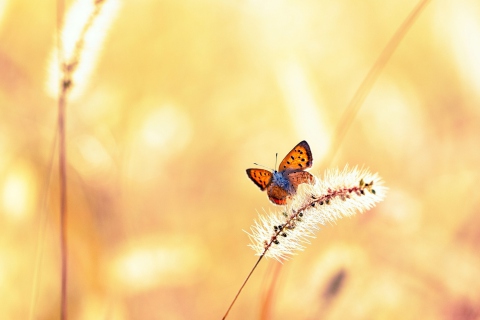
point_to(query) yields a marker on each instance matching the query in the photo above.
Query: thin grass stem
(62, 169)
(366, 86)
(41, 230)
(63, 202)
(241, 287)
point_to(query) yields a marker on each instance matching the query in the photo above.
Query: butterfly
(282, 184)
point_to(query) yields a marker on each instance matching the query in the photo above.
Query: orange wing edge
(256, 181)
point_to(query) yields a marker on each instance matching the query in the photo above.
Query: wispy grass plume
(80, 40)
(340, 193)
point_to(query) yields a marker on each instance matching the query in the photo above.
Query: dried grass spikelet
(81, 38)
(341, 193)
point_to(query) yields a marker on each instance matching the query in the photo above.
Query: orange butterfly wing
(298, 177)
(299, 158)
(277, 195)
(260, 177)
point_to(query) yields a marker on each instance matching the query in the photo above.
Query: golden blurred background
(180, 98)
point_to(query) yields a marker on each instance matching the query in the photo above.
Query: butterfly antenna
(260, 165)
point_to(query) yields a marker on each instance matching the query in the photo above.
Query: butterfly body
(280, 179)
(282, 184)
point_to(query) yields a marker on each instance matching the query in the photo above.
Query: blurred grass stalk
(366, 86)
(79, 39)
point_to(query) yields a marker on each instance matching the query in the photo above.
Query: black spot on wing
(255, 175)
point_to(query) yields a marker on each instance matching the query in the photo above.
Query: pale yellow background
(182, 98)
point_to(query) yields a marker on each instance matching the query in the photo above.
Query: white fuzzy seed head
(341, 193)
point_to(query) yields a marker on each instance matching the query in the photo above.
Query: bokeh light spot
(166, 127)
(17, 193)
(154, 262)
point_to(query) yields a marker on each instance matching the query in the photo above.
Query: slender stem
(372, 76)
(42, 227)
(269, 297)
(243, 285)
(62, 163)
(63, 204)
